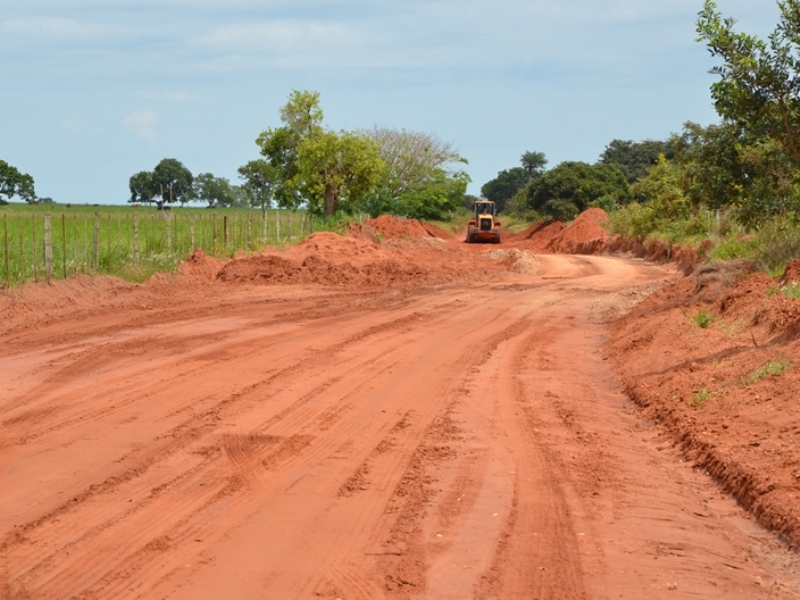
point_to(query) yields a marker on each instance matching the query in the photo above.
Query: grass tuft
(771, 368)
(703, 318)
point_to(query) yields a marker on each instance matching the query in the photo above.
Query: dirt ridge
(711, 386)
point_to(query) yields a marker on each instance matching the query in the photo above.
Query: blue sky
(94, 91)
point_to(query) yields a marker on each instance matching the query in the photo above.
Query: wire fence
(40, 246)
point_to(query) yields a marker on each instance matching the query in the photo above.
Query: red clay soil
(714, 357)
(398, 414)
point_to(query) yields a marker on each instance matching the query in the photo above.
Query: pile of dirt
(392, 228)
(362, 232)
(199, 267)
(715, 357)
(40, 301)
(538, 236)
(313, 269)
(585, 235)
(330, 259)
(335, 247)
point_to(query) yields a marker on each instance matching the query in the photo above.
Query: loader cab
(484, 207)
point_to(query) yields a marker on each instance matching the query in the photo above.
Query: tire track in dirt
(190, 432)
(398, 445)
(351, 533)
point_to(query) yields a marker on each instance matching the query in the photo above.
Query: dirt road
(451, 441)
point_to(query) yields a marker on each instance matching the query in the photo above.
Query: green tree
(468, 201)
(663, 191)
(442, 194)
(503, 187)
(421, 174)
(173, 182)
(759, 81)
(217, 191)
(772, 188)
(142, 187)
(533, 163)
(302, 119)
(14, 183)
(337, 168)
(635, 159)
(572, 187)
(260, 182)
(712, 171)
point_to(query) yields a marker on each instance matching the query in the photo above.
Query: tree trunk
(330, 201)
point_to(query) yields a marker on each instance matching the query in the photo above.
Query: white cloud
(143, 124)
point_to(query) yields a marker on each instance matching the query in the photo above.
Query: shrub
(777, 242)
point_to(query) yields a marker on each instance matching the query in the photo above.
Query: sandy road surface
(290, 442)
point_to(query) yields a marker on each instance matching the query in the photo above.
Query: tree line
(747, 165)
(303, 164)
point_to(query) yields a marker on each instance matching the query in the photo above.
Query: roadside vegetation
(731, 189)
(46, 242)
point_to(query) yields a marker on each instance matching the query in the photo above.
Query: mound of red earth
(715, 357)
(356, 260)
(585, 235)
(392, 228)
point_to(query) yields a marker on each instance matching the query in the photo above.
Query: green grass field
(129, 241)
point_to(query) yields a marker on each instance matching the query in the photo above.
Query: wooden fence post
(169, 234)
(191, 233)
(108, 245)
(249, 231)
(64, 244)
(21, 249)
(225, 231)
(48, 248)
(96, 243)
(135, 239)
(35, 266)
(5, 244)
(213, 230)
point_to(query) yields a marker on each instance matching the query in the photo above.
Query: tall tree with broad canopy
(323, 168)
(169, 182)
(15, 183)
(337, 168)
(142, 187)
(173, 181)
(571, 187)
(422, 176)
(635, 159)
(280, 146)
